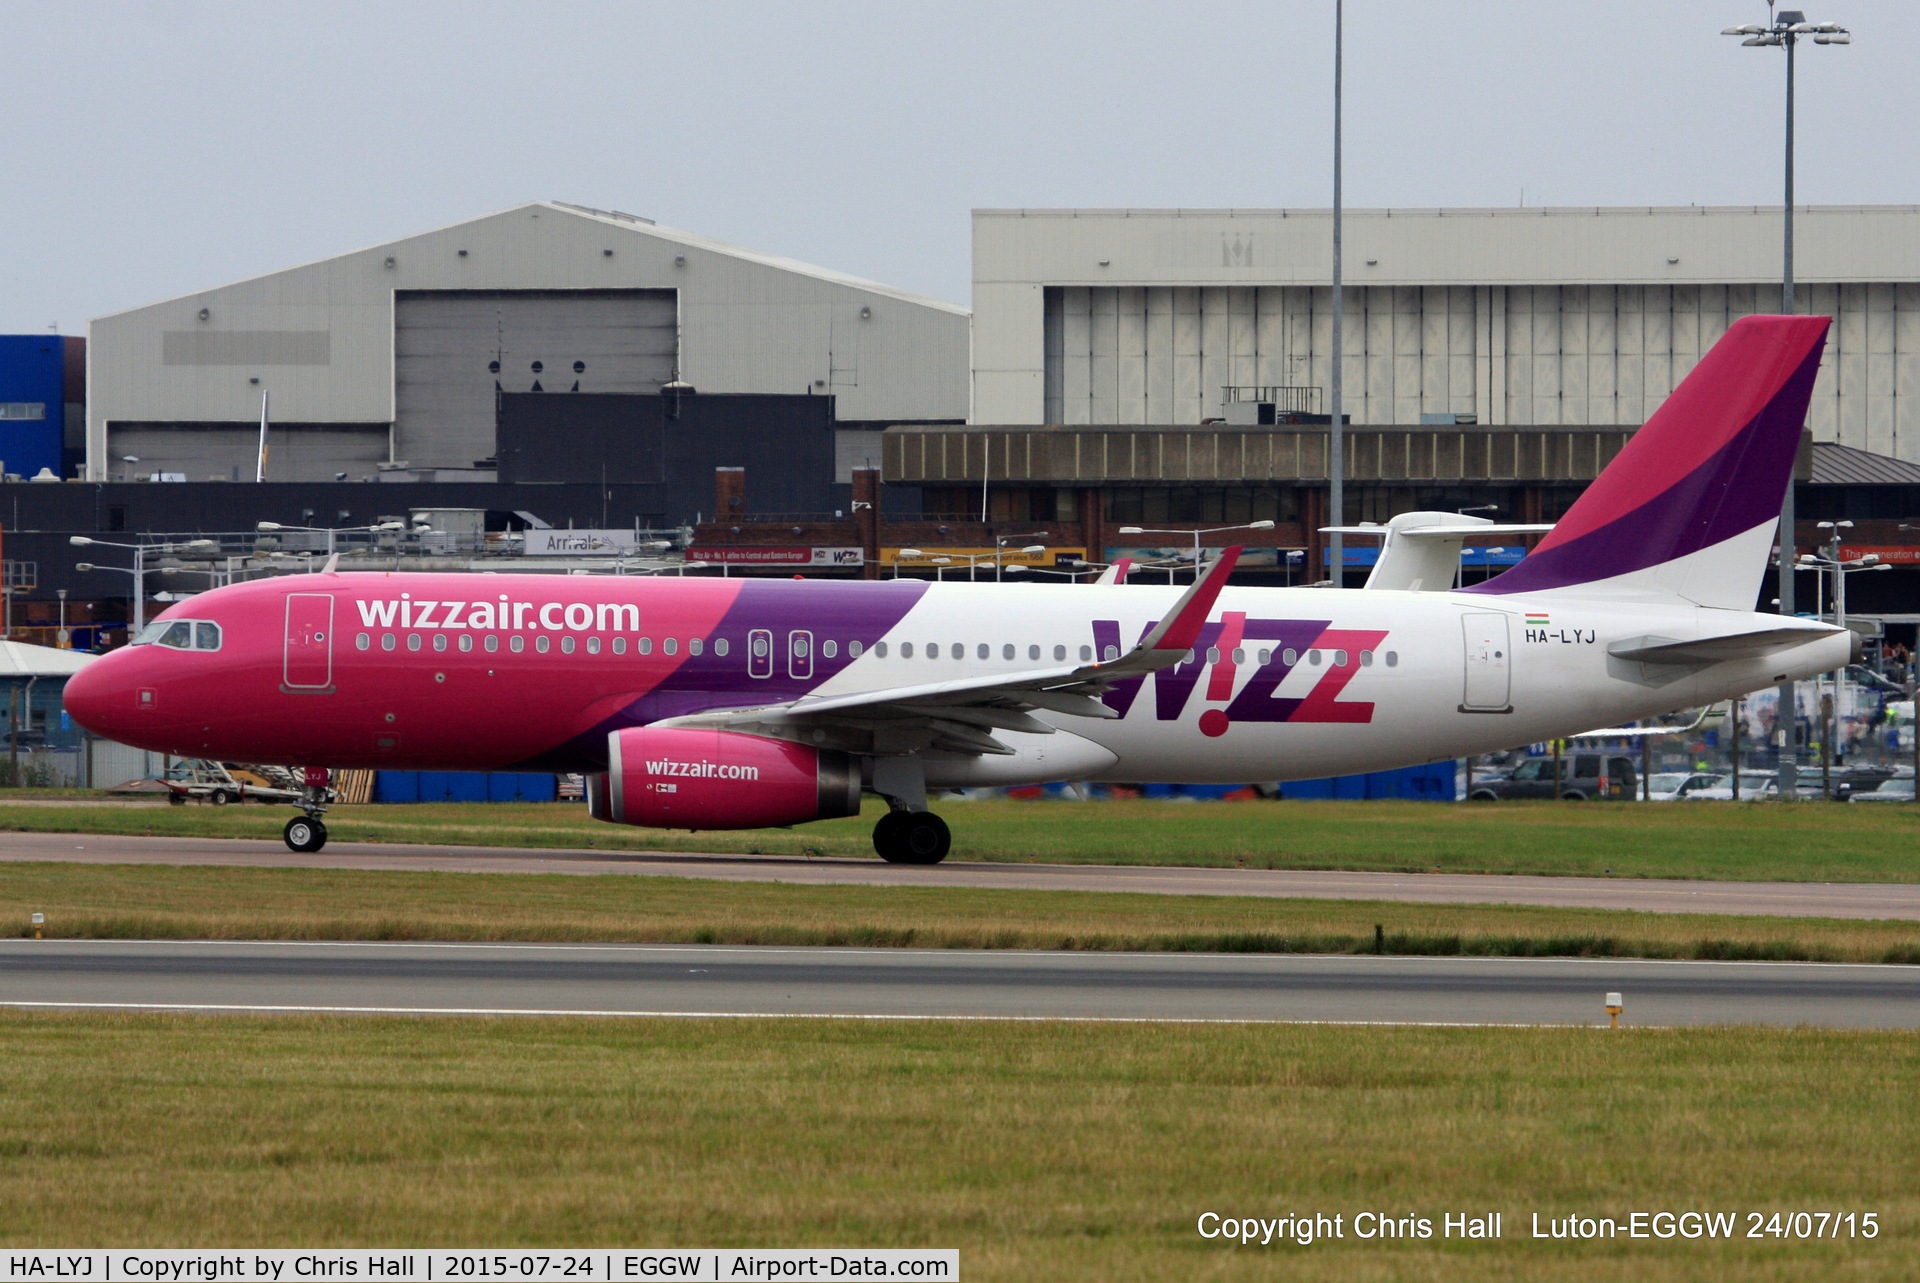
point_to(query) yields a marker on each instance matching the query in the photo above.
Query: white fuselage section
(1299, 683)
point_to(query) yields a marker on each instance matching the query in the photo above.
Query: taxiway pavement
(686, 980)
(1789, 899)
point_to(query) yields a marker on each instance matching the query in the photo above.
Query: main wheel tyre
(924, 838)
(886, 837)
(304, 834)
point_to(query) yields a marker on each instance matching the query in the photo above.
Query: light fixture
(84, 566)
(1033, 549)
(679, 260)
(389, 262)
(79, 541)
(1260, 525)
(866, 314)
(205, 313)
(1132, 530)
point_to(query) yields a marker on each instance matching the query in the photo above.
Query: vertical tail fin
(1689, 507)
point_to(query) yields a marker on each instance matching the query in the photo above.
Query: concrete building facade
(396, 353)
(1537, 317)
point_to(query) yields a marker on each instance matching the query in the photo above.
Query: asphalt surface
(719, 980)
(1790, 899)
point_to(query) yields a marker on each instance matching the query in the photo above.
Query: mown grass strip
(190, 902)
(1055, 1151)
(1816, 842)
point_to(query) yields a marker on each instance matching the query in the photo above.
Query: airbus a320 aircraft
(722, 704)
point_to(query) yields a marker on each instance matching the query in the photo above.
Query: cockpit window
(181, 634)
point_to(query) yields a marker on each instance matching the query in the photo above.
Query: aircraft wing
(961, 715)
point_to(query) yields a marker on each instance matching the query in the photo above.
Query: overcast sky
(156, 148)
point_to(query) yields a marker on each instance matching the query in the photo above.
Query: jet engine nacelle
(676, 778)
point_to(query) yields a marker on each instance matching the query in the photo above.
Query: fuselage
(491, 672)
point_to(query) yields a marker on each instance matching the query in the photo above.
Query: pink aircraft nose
(89, 696)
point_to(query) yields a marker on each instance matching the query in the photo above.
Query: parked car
(1892, 790)
(1755, 786)
(1583, 777)
(1671, 786)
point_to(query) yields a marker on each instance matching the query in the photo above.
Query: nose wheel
(912, 837)
(304, 834)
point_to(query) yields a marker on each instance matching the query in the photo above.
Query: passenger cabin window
(853, 650)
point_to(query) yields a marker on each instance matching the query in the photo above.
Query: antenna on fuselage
(333, 564)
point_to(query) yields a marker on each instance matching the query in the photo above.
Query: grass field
(188, 902)
(1819, 842)
(1040, 1151)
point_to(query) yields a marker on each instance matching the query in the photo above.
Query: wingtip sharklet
(1181, 628)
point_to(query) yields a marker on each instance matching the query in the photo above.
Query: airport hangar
(400, 357)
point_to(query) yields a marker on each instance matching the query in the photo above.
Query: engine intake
(677, 778)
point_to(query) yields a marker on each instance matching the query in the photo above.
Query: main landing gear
(307, 833)
(912, 837)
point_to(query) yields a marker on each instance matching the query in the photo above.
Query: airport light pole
(139, 570)
(1784, 30)
(1195, 535)
(1000, 543)
(1336, 439)
(1839, 567)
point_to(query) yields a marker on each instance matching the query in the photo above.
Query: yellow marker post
(1614, 1008)
(39, 921)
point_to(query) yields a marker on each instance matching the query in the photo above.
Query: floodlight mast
(1336, 451)
(1784, 29)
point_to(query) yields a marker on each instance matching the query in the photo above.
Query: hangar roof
(630, 223)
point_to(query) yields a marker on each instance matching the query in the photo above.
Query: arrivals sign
(580, 543)
(794, 555)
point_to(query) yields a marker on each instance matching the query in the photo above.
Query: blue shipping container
(32, 402)
(464, 786)
(1433, 782)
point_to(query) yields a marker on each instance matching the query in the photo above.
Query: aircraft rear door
(307, 660)
(1489, 663)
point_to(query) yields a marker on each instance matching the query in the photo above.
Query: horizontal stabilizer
(1715, 650)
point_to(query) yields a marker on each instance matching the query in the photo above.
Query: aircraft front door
(307, 664)
(1489, 662)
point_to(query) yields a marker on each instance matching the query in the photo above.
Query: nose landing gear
(912, 837)
(307, 833)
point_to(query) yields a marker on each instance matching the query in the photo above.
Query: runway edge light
(1614, 1008)
(39, 922)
